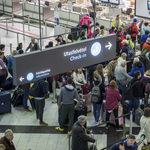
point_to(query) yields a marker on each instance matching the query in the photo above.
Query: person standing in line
(33, 46)
(117, 22)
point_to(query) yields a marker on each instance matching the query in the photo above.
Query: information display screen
(33, 66)
(115, 1)
(148, 5)
(105, 1)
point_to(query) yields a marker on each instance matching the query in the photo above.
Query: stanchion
(130, 122)
(7, 26)
(135, 48)
(28, 23)
(12, 19)
(86, 74)
(10, 48)
(23, 32)
(38, 41)
(69, 146)
(0, 38)
(45, 28)
(18, 38)
(42, 37)
(54, 90)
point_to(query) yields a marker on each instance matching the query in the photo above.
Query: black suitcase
(5, 102)
(80, 110)
(17, 98)
(125, 105)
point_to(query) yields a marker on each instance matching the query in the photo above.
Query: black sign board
(41, 64)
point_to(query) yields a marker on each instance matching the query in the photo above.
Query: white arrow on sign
(21, 79)
(109, 46)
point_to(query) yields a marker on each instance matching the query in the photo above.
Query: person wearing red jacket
(147, 44)
(123, 38)
(135, 30)
(112, 98)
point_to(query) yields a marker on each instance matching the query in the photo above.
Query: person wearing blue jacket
(137, 66)
(145, 28)
(128, 144)
(145, 36)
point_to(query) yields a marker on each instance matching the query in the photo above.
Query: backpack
(130, 51)
(145, 82)
(128, 92)
(80, 38)
(96, 93)
(34, 89)
(129, 29)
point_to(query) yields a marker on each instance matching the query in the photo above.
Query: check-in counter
(12, 6)
(33, 11)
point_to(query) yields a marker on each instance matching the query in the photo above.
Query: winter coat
(144, 38)
(125, 50)
(145, 124)
(3, 68)
(118, 47)
(135, 30)
(112, 98)
(102, 90)
(146, 45)
(131, 43)
(123, 38)
(138, 66)
(114, 23)
(144, 29)
(79, 137)
(111, 32)
(85, 19)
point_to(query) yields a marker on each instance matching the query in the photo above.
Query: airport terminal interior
(20, 22)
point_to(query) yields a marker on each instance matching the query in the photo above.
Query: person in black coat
(118, 45)
(80, 138)
(97, 105)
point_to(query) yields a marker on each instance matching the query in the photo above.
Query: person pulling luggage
(67, 95)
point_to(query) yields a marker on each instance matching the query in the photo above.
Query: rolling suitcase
(125, 105)
(5, 102)
(138, 115)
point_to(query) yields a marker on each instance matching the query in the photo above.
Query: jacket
(138, 66)
(147, 91)
(42, 88)
(145, 78)
(112, 98)
(114, 24)
(134, 29)
(146, 45)
(116, 146)
(118, 47)
(78, 78)
(85, 19)
(7, 143)
(137, 90)
(111, 32)
(9, 62)
(34, 48)
(79, 137)
(144, 29)
(5, 60)
(123, 38)
(67, 95)
(125, 50)
(102, 76)
(68, 41)
(145, 124)
(25, 86)
(131, 43)
(121, 75)
(3, 68)
(144, 38)
(102, 90)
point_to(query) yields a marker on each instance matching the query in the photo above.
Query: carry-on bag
(138, 115)
(17, 98)
(125, 105)
(120, 113)
(5, 102)
(94, 145)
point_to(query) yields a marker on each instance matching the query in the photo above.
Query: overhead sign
(33, 66)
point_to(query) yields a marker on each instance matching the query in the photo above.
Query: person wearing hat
(135, 30)
(129, 40)
(80, 138)
(125, 47)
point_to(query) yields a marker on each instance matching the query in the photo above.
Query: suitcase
(5, 102)
(8, 84)
(138, 115)
(32, 102)
(125, 105)
(120, 113)
(103, 112)
(17, 98)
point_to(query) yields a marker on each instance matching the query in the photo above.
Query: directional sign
(33, 66)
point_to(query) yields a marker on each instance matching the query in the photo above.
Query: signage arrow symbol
(21, 79)
(109, 46)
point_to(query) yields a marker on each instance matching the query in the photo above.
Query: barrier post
(45, 28)
(131, 122)
(18, 38)
(28, 23)
(7, 26)
(38, 41)
(10, 48)
(42, 37)
(12, 19)
(86, 74)
(23, 32)
(0, 38)
(134, 48)
(69, 142)
(54, 90)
